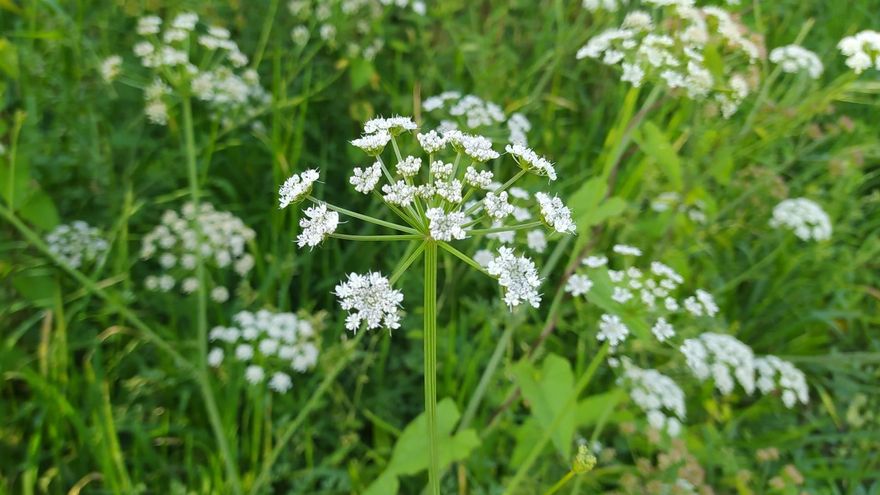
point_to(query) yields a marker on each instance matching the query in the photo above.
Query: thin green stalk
(291, 429)
(430, 368)
(523, 226)
(559, 484)
(202, 308)
(463, 257)
(548, 432)
(407, 262)
(365, 218)
(380, 238)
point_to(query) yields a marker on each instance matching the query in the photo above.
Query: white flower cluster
(110, 68)
(804, 217)
(518, 277)
(862, 50)
(672, 201)
(296, 187)
(352, 25)
(726, 360)
(606, 5)
(370, 301)
(76, 243)
(795, 58)
(218, 236)
(476, 114)
(657, 395)
(231, 91)
(652, 294)
(444, 198)
(722, 358)
(669, 50)
(777, 374)
(268, 345)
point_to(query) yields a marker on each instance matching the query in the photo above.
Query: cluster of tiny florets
(518, 277)
(370, 300)
(350, 26)
(219, 237)
(795, 58)
(230, 90)
(670, 51)
(862, 50)
(777, 374)
(317, 223)
(297, 187)
(76, 243)
(476, 114)
(656, 394)
(672, 201)
(723, 358)
(804, 217)
(269, 346)
(652, 293)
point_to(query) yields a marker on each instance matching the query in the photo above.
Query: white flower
(775, 373)
(862, 50)
(409, 167)
(483, 257)
(297, 187)
(657, 395)
(446, 226)
(365, 179)
(536, 240)
(497, 206)
(148, 25)
(76, 243)
(477, 147)
(431, 142)
(715, 355)
(254, 374)
(481, 179)
(400, 193)
(594, 261)
(185, 20)
(440, 169)
(110, 68)
(373, 144)
(555, 214)
(662, 330)
(369, 300)
(795, 58)
(244, 352)
(280, 382)
(517, 276)
(450, 190)
(189, 285)
(612, 330)
(219, 294)
(578, 285)
(804, 217)
(625, 250)
(215, 357)
(531, 161)
(318, 223)
(393, 125)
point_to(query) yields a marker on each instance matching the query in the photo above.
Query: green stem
(430, 368)
(202, 306)
(365, 218)
(380, 238)
(548, 432)
(559, 484)
(522, 226)
(463, 257)
(291, 429)
(406, 263)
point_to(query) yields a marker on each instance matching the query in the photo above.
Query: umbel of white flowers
(444, 193)
(76, 243)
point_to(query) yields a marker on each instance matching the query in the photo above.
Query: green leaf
(547, 390)
(385, 484)
(37, 286)
(361, 72)
(40, 210)
(9, 58)
(657, 147)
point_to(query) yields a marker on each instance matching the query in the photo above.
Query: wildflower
(795, 58)
(365, 179)
(373, 144)
(517, 276)
(477, 114)
(555, 214)
(862, 50)
(612, 330)
(254, 374)
(626, 250)
(76, 244)
(148, 25)
(410, 166)
(578, 285)
(446, 226)
(369, 300)
(774, 373)
(431, 142)
(584, 461)
(400, 193)
(497, 206)
(531, 161)
(215, 357)
(536, 240)
(662, 330)
(110, 68)
(804, 217)
(392, 125)
(297, 187)
(280, 382)
(594, 261)
(318, 223)
(657, 395)
(715, 355)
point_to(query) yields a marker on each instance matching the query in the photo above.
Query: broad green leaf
(39, 209)
(385, 484)
(360, 72)
(8, 58)
(547, 390)
(590, 410)
(527, 436)
(657, 146)
(37, 287)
